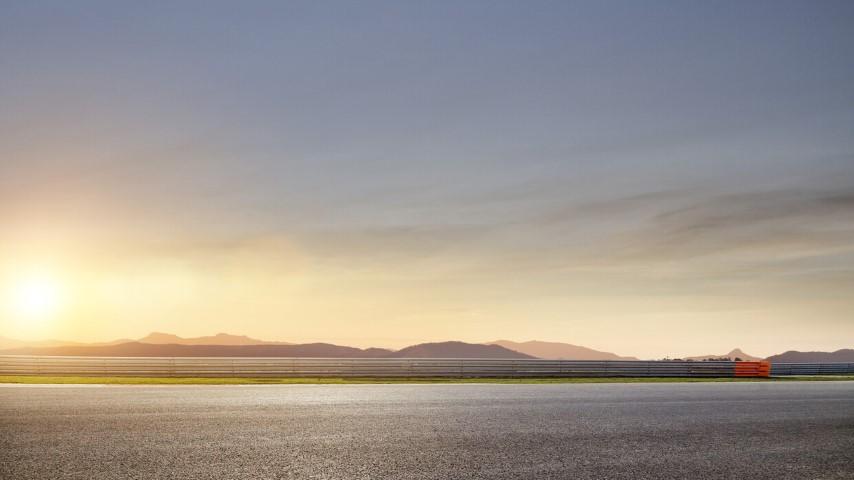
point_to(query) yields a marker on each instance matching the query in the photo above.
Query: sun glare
(36, 296)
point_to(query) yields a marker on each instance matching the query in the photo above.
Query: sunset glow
(35, 297)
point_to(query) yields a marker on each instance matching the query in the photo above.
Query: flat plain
(757, 430)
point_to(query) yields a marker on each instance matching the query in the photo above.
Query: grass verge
(21, 379)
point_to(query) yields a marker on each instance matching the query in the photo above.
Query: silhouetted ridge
(457, 350)
(558, 351)
(138, 349)
(792, 356)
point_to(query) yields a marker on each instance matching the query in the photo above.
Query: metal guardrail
(812, 369)
(406, 367)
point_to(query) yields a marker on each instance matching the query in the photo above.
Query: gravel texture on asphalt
(792, 430)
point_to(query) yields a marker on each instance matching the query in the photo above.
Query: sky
(649, 178)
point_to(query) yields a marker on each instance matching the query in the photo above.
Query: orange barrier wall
(752, 369)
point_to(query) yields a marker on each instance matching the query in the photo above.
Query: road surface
(797, 430)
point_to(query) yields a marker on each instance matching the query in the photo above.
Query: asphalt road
(775, 431)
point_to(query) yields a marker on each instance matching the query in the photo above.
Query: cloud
(794, 220)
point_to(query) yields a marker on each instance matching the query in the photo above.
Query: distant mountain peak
(733, 354)
(158, 337)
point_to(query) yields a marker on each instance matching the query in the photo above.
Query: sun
(36, 296)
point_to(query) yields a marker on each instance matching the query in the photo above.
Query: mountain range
(224, 344)
(139, 349)
(159, 344)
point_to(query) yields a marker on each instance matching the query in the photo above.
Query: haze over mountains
(218, 339)
(457, 350)
(558, 351)
(159, 344)
(735, 353)
(7, 343)
(154, 338)
(167, 344)
(139, 349)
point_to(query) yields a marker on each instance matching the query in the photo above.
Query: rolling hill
(793, 356)
(557, 351)
(457, 350)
